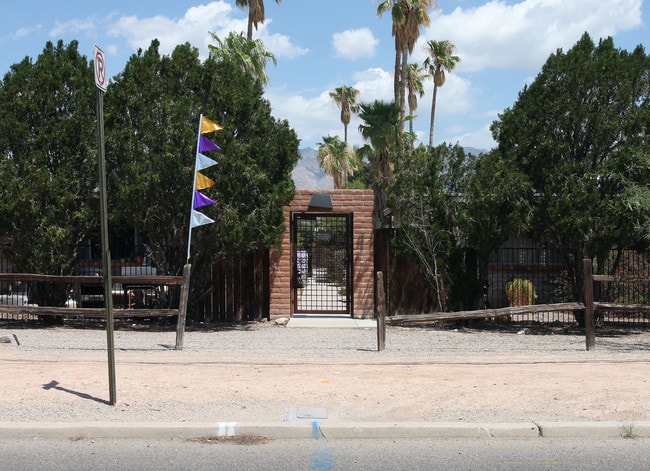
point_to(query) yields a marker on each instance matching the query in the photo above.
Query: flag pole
(198, 143)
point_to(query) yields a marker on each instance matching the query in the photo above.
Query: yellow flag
(203, 182)
(209, 126)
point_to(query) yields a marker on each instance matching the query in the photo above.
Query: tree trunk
(433, 113)
(402, 89)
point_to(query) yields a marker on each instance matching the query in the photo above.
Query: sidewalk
(323, 375)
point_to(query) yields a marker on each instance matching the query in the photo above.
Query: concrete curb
(316, 429)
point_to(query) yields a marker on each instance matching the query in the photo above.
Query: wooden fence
(100, 313)
(589, 307)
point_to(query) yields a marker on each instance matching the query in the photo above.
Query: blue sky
(322, 45)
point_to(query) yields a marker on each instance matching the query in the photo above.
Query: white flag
(204, 162)
(199, 219)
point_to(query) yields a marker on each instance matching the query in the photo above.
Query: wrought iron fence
(548, 276)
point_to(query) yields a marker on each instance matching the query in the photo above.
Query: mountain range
(307, 174)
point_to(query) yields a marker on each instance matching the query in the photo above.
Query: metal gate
(321, 253)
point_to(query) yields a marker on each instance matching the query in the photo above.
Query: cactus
(520, 292)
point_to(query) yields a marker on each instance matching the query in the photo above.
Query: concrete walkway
(334, 321)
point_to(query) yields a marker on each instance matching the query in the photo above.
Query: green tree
(493, 204)
(414, 77)
(48, 161)
(578, 133)
(249, 55)
(423, 199)
(151, 123)
(408, 17)
(337, 160)
(255, 13)
(346, 99)
(155, 108)
(440, 59)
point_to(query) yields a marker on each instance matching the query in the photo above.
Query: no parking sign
(100, 69)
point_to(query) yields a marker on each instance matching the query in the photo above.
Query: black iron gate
(321, 253)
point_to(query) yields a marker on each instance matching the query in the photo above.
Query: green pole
(106, 252)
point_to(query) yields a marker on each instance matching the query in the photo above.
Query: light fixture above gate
(321, 201)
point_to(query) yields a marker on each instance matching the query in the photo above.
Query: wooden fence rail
(100, 313)
(589, 307)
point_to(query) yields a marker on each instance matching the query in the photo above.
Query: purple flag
(206, 144)
(201, 200)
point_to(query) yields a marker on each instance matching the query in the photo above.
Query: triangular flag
(203, 182)
(201, 200)
(204, 162)
(206, 144)
(199, 219)
(209, 126)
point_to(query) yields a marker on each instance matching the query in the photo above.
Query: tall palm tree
(248, 54)
(440, 58)
(255, 13)
(337, 160)
(414, 77)
(408, 17)
(346, 99)
(380, 128)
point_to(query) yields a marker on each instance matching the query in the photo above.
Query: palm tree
(408, 16)
(414, 76)
(255, 13)
(381, 129)
(440, 58)
(337, 160)
(248, 54)
(346, 99)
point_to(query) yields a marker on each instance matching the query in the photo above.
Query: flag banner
(206, 144)
(209, 125)
(201, 200)
(203, 162)
(199, 219)
(203, 182)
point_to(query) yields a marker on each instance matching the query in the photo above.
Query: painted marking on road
(226, 429)
(322, 457)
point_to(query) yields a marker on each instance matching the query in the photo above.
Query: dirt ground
(170, 386)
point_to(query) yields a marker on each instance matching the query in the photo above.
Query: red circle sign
(100, 69)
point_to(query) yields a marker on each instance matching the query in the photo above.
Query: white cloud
(194, 28)
(373, 84)
(279, 44)
(479, 139)
(74, 26)
(354, 44)
(24, 32)
(311, 117)
(522, 35)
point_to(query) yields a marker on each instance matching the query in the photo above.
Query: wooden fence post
(182, 307)
(381, 312)
(590, 328)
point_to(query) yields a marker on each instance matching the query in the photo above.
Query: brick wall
(358, 202)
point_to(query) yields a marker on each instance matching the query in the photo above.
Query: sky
(323, 45)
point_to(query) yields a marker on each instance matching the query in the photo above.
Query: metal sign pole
(100, 81)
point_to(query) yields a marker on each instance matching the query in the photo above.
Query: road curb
(326, 430)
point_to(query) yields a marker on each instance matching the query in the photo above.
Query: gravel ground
(261, 371)
(265, 338)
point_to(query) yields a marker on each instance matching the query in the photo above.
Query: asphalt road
(251, 453)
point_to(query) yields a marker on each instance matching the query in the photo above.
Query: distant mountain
(474, 151)
(307, 175)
